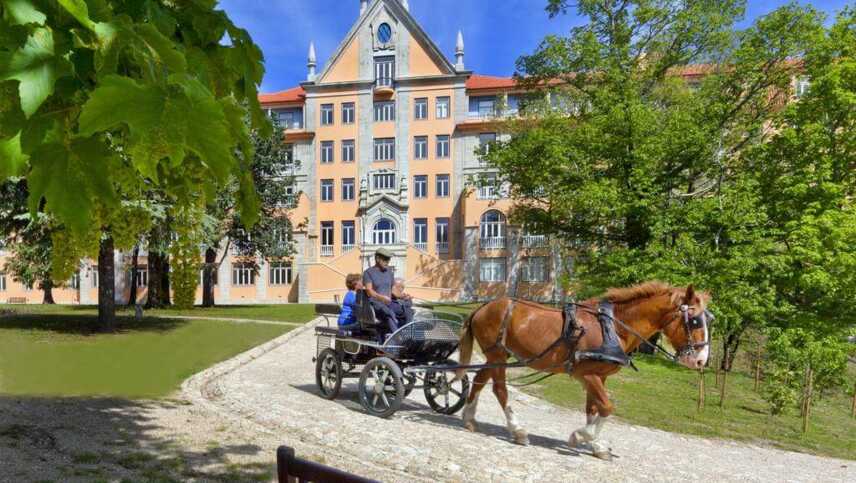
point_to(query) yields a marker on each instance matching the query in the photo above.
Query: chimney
(459, 52)
(311, 63)
(363, 5)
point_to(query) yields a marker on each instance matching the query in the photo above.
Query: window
(802, 86)
(442, 235)
(326, 190)
(492, 269)
(142, 276)
(420, 147)
(349, 235)
(347, 189)
(485, 142)
(326, 238)
(384, 149)
(93, 270)
(326, 151)
(213, 277)
(534, 269)
(384, 71)
(492, 230)
(2, 282)
(348, 112)
(442, 185)
(384, 111)
(420, 186)
(326, 114)
(243, 274)
(348, 154)
(384, 181)
(383, 232)
(290, 118)
(483, 106)
(512, 104)
(28, 285)
(443, 107)
(420, 108)
(280, 273)
(442, 146)
(487, 187)
(420, 233)
(384, 33)
(75, 281)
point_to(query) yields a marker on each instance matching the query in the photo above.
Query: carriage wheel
(443, 395)
(328, 373)
(381, 387)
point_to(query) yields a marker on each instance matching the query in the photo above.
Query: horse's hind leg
(501, 392)
(469, 414)
(598, 408)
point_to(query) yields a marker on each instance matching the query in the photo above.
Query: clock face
(384, 33)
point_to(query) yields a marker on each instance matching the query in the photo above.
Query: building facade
(388, 135)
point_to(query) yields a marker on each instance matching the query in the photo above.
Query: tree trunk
(649, 349)
(47, 288)
(700, 405)
(135, 258)
(806, 406)
(729, 350)
(166, 299)
(106, 287)
(853, 404)
(722, 389)
(208, 277)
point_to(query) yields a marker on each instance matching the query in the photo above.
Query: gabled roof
(409, 22)
(477, 81)
(295, 94)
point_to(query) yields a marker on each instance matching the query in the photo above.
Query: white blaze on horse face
(698, 358)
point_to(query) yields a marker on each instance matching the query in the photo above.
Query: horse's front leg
(598, 408)
(518, 434)
(469, 413)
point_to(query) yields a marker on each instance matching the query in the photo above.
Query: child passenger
(348, 315)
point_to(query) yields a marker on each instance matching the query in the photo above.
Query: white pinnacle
(459, 51)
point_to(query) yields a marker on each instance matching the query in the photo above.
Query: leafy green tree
(272, 169)
(636, 163)
(107, 95)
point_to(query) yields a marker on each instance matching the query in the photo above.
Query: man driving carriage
(378, 281)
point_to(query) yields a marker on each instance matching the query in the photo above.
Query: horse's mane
(642, 290)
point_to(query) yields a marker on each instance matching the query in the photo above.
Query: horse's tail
(466, 344)
(465, 347)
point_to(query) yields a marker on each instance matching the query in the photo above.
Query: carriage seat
(366, 314)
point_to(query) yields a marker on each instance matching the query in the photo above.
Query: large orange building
(387, 134)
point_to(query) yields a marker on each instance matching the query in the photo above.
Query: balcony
(326, 250)
(492, 243)
(534, 241)
(442, 247)
(347, 248)
(421, 246)
(384, 87)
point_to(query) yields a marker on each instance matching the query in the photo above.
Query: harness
(610, 351)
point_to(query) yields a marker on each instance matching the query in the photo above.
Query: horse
(533, 333)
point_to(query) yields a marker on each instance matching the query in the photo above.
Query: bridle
(696, 322)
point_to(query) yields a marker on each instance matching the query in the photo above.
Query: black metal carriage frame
(417, 353)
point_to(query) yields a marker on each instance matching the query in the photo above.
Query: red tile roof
(477, 81)
(295, 94)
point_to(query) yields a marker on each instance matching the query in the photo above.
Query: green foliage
(184, 257)
(645, 172)
(106, 95)
(790, 353)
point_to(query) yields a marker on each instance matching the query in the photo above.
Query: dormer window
(384, 71)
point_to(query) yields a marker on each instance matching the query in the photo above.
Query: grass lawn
(54, 352)
(278, 313)
(664, 396)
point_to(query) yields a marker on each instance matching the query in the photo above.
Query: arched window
(492, 230)
(383, 232)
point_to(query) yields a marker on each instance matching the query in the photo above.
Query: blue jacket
(348, 316)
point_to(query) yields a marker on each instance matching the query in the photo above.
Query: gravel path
(275, 392)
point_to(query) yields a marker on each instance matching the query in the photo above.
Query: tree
(272, 169)
(635, 161)
(107, 96)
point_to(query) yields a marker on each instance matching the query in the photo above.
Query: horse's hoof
(521, 438)
(471, 426)
(605, 455)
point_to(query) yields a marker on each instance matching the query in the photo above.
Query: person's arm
(370, 290)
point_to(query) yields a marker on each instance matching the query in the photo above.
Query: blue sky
(496, 32)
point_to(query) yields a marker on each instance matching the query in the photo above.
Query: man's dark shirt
(381, 280)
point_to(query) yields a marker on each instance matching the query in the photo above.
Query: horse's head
(686, 327)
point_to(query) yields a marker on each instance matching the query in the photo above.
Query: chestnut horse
(532, 330)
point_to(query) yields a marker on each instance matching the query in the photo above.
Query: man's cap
(383, 252)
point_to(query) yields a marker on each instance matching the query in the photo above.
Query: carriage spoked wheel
(443, 395)
(328, 373)
(381, 387)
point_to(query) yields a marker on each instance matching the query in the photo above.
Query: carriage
(389, 371)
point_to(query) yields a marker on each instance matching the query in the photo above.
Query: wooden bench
(16, 300)
(291, 469)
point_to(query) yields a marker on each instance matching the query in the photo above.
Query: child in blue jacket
(348, 315)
